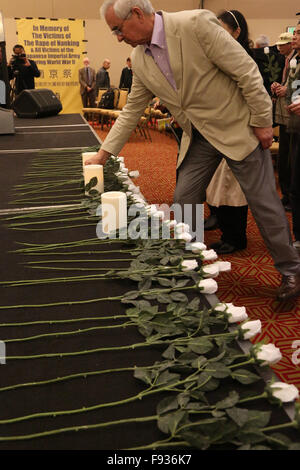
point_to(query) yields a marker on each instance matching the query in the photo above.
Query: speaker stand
(6, 121)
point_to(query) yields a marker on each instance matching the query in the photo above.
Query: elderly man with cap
(284, 45)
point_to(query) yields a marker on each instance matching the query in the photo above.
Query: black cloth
(102, 79)
(126, 78)
(270, 65)
(232, 221)
(295, 187)
(24, 75)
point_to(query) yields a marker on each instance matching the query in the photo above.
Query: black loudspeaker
(36, 103)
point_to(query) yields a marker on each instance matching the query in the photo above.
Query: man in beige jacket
(215, 92)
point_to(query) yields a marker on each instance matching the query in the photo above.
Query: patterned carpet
(252, 281)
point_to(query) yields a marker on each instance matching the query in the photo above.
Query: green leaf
(194, 304)
(93, 182)
(164, 298)
(164, 282)
(218, 370)
(244, 376)
(167, 404)
(196, 440)
(144, 375)
(134, 294)
(178, 297)
(257, 419)
(238, 415)
(167, 378)
(200, 345)
(229, 401)
(169, 353)
(145, 284)
(207, 383)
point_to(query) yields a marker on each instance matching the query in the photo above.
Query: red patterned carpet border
(252, 281)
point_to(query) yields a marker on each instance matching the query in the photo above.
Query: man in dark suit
(102, 77)
(87, 80)
(22, 69)
(126, 76)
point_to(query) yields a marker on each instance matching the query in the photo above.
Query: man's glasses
(118, 31)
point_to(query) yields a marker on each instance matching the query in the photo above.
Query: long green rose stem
(78, 428)
(101, 299)
(152, 389)
(77, 376)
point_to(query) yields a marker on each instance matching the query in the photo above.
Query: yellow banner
(57, 48)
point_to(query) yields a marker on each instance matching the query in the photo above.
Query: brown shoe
(289, 287)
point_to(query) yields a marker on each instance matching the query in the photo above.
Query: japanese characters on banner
(57, 47)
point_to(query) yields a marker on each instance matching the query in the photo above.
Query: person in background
(219, 101)
(269, 61)
(22, 69)
(293, 101)
(224, 196)
(87, 80)
(126, 76)
(261, 41)
(281, 118)
(102, 77)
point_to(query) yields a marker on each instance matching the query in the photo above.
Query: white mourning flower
(284, 392)
(234, 314)
(209, 255)
(189, 265)
(208, 286)
(211, 270)
(250, 329)
(267, 353)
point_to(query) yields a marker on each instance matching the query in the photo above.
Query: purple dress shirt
(159, 51)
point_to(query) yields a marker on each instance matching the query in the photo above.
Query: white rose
(181, 228)
(187, 237)
(234, 314)
(196, 247)
(250, 329)
(284, 392)
(120, 159)
(208, 286)
(268, 353)
(159, 215)
(209, 255)
(150, 210)
(224, 266)
(134, 174)
(266, 50)
(122, 176)
(128, 193)
(221, 307)
(189, 265)
(211, 270)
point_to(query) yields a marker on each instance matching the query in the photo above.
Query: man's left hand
(264, 135)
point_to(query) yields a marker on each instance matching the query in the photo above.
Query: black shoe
(223, 248)
(211, 223)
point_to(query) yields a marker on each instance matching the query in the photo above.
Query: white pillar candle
(91, 171)
(86, 156)
(114, 211)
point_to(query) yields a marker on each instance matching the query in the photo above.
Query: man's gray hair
(122, 8)
(262, 41)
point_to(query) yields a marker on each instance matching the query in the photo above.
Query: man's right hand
(99, 159)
